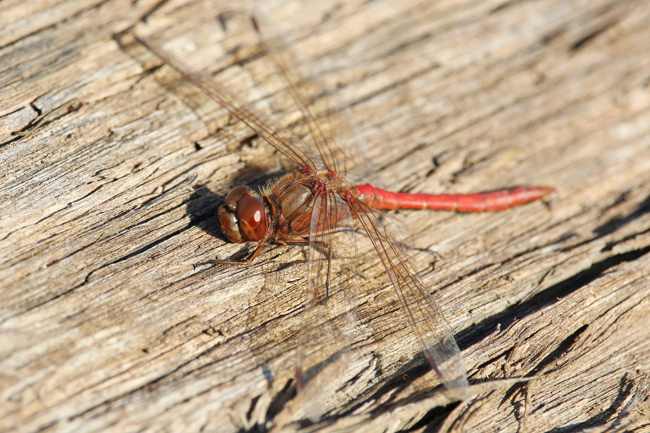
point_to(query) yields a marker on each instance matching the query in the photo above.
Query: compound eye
(229, 224)
(251, 214)
(235, 195)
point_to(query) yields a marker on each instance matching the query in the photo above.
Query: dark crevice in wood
(254, 401)
(34, 122)
(544, 299)
(248, 140)
(621, 198)
(177, 324)
(467, 167)
(47, 426)
(144, 248)
(165, 194)
(38, 111)
(613, 225)
(54, 25)
(242, 63)
(153, 10)
(11, 140)
(409, 43)
(551, 36)
(579, 44)
(394, 385)
(505, 5)
(562, 348)
(617, 222)
(602, 418)
(506, 261)
(564, 288)
(432, 420)
(406, 155)
(280, 400)
(147, 72)
(42, 120)
(87, 278)
(501, 355)
(435, 162)
(610, 245)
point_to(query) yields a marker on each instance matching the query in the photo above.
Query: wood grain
(112, 169)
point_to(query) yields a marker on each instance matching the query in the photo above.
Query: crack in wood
(604, 417)
(588, 38)
(618, 222)
(545, 298)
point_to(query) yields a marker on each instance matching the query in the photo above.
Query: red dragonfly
(318, 207)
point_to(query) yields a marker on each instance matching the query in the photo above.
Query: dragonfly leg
(246, 262)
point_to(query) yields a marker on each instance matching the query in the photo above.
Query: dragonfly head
(243, 216)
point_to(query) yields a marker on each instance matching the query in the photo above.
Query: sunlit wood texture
(111, 171)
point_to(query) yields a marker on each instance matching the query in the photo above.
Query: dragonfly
(317, 206)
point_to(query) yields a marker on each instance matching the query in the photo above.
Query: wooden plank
(112, 171)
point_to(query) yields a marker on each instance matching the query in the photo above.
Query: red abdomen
(479, 202)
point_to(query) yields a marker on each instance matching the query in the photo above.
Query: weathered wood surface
(109, 183)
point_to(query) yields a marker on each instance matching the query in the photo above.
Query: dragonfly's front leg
(247, 262)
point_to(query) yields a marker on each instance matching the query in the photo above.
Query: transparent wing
(282, 59)
(329, 124)
(282, 139)
(422, 313)
(325, 359)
